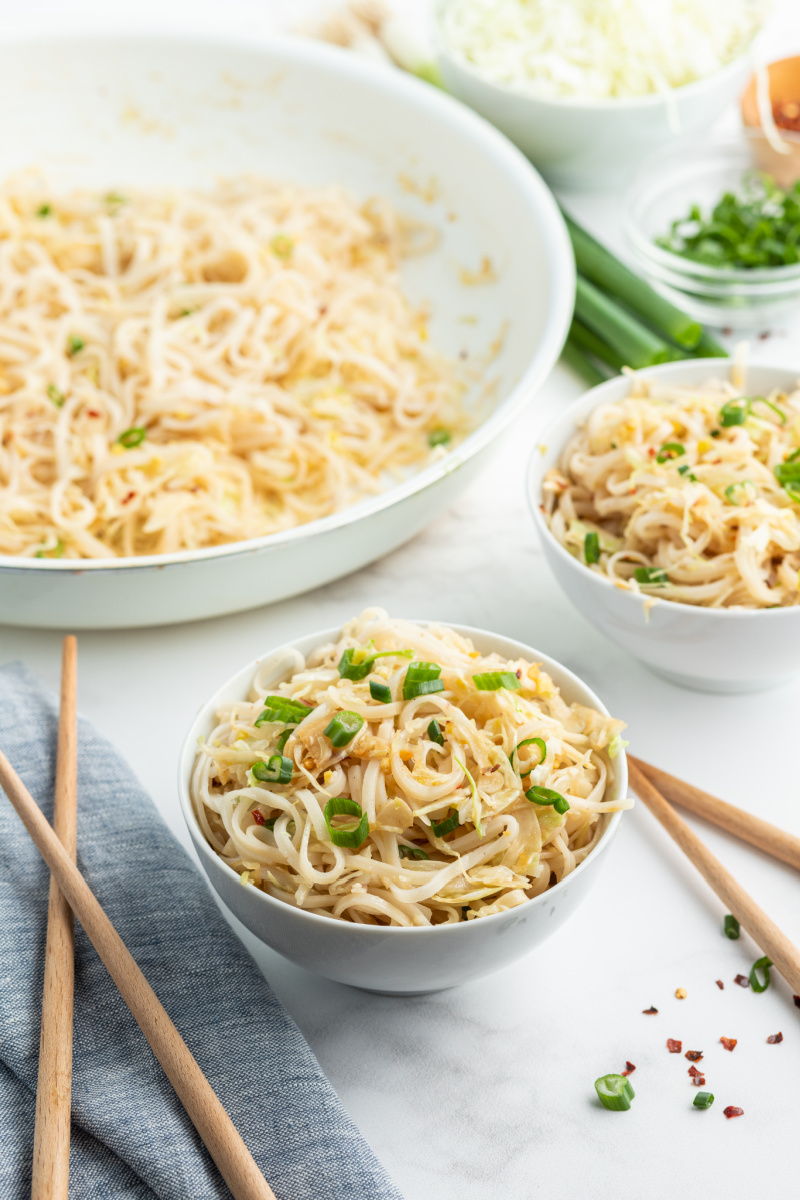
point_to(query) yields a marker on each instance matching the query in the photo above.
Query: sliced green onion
(421, 679)
(130, 438)
(543, 795)
(350, 835)
(439, 437)
(380, 691)
(56, 395)
(270, 823)
(686, 470)
(282, 245)
(787, 473)
(276, 769)
(736, 412)
(412, 852)
(591, 548)
(614, 1092)
(450, 823)
(74, 344)
(53, 552)
(763, 965)
(283, 709)
(636, 345)
(435, 732)
(793, 456)
(493, 681)
(44, 210)
(769, 404)
(342, 728)
(731, 927)
(283, 739)
(651, 576)
(357, 664)
(535, 741)
(703, 1100)
(670, 450)
(732, 491)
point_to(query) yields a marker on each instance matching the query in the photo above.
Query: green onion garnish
(412, 852)
(591, 548)
(493, 681)
(435, 732)
(283, 739)
(670, 450)
(788, 474)
(687, 472)
(351, 835)
(44, 210)
(421, 679)
(114, 199)
(54, 394)
(282, 245)
(281, 708)
(355, 664)
(614, 1092)
(537, 741)
(270, 822)
(732, 491)
(74, 344)
(736, 412)
(731, 927)
(380, 691)
(439, 437)
(277, 769)
(450, 823)
(53, 552)
(651, 576)
(130, 438)
(543, 795)
(342, 729)
(703, 1100)
(763, 965)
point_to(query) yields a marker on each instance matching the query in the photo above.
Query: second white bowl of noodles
(708, 649)
(396, 960)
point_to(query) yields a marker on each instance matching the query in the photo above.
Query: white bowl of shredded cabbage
(265, 306)
(587, 88)
(667, 507)
(403, 806)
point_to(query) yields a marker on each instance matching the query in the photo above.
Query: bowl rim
(188, 754)
(444, 50)
(570, 418)
(487, 142)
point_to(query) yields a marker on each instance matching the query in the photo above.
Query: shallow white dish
(589, 143)
(395, 961)
(102, 112)
(710, 649)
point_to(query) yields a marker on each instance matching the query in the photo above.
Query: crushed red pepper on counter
(728, 1043)
(732, 1111)
(630, 1068)
(673, 1046)
(774, 1038)
(742, 981)
(699, 1080)
(693, 1055)
(693, 1071)
(720, 985)
(651, 1009)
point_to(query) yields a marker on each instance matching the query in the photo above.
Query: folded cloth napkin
(130, 1136)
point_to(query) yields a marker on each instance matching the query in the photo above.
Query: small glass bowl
(664, 190)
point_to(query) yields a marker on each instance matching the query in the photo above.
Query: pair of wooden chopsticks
(764, 932)
(70, 894)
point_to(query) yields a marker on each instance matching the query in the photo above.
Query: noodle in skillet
(412, 792)
(180, 370)
(686, 493)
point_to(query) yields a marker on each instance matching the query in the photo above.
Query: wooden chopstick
(764, 932)
(759, 833)
(54, 1087)
(236, 1164)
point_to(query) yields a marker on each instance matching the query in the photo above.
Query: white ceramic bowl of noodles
(709, 649)
(394, 960)
(97, 112)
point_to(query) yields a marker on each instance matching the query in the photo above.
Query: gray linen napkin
(130, 1135)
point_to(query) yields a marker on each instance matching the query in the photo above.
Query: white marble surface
(485, 1093)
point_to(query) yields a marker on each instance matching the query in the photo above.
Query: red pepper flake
(92, 412)
(258, 817)
(699, 1081)
(129, 497)
(693, 1055)
(673, 1046)
(742, 981)
(693, 1071)
(652, 451)
(630, 1068)
(647, 1011)
(729, 1043)
(774, 1038)
(732, 1111)
(720, 985)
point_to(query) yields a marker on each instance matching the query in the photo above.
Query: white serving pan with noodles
(106, 113)
(395, 960)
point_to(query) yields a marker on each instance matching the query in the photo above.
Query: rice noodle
(252, 346)
(505, 849)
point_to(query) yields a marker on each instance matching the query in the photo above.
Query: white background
(485, 1092)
